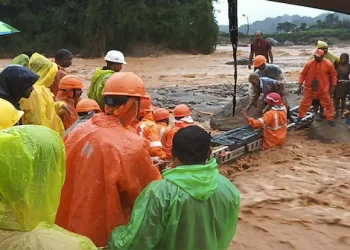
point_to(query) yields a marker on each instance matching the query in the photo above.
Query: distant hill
(269, 25)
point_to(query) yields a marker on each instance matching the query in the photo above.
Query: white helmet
(115, 56)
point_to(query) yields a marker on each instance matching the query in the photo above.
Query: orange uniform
(274, 123)
(171, 134)
(322, 72)
(148, 129)
(164, 130)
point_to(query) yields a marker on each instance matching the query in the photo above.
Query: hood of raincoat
(321, 44)
(21, 59)
(127, 113)
(45, 68)
(200, 181)
(32, 174)
(14, 80)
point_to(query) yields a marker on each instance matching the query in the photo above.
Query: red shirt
(261, 48)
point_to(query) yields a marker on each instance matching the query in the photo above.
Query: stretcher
(233, 144)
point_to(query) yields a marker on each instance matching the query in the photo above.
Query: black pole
(233, 26)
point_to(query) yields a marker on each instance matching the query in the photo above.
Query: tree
(303, 26)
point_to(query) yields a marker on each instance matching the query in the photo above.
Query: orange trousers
(325, 100)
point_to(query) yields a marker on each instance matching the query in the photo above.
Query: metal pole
(233, 27)
(244, 15)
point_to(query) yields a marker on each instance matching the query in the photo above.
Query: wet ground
(296, 197)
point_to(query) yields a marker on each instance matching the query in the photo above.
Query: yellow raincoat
(331, 57)
(40, 108)
(32, 173)
(21, 59)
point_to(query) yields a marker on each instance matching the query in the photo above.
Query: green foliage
(91, 27)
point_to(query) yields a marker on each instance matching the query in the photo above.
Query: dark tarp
(341, 6)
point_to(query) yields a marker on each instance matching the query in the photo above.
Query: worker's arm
(304, 73)
(333, 74)
(146, 226)
(270, 53)
(254, 100)
(265, 120)
(251, 55)
(169, 144)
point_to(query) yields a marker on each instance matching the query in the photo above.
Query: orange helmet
(71, 82)
(259, 60)
(182, 110)
(124, 84)
(86, 105)
(161, 114)
(273, 99)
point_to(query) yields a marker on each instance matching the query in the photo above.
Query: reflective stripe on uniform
(142, 130)
(261, 121)
(277, 126)
(156, 144)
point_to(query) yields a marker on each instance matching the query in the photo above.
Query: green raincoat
(21, 59)
(98, 82)
(193, 207)
(32, 173)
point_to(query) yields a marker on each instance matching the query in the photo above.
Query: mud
(295, 197)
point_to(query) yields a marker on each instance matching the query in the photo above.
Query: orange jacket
(59, 75)
(67, 97)
(164, 130)
(322, 71)
(107, 168)
(148, 129)
(274, 123)
(170, 137)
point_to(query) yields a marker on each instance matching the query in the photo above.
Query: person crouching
(274, 122)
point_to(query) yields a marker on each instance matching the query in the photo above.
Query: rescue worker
(274, 122)
(114, 60)
(40, 108)
(265, 69)
(264, 85)
(63, 59)
(16, 82)
(315, 78)
(318, 109)
(148, 129)
(343, 86)
(193, 207)
(32, 175)
(107, 165)
(70, 91)
(162, 118)
(10, 116)
(182, 115)
(86, 108)
(328, 55)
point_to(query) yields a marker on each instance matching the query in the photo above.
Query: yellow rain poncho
(40, 108)
(330, 56)
(32, 172)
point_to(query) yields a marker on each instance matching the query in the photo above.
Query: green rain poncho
(193, 207)
(98, 82)
(32, 173)
(21, 59)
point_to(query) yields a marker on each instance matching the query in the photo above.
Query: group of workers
(323, 78)
(107, 171)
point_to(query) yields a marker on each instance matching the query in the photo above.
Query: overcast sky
(257, 10)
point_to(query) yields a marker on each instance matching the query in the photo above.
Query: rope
(233, 26)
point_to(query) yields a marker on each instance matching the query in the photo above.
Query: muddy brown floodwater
(295, 197)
